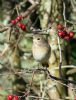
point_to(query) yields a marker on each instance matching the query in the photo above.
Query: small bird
(41, 49)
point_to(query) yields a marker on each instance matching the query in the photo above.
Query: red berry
(15, 98)
(23, 27)
(10, 97)
(19, 18)
(67, 38)
(13, 22)
(75, 98)
(62, 34)
(19, 25)
(60, 27)
(71, 34)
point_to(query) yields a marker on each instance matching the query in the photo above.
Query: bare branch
(29, 10)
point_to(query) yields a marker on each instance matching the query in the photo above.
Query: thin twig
(31, 1)
(3, 29)
(36, 97)
(65, 85)
(71, 22)
(66, 66)
(60, 50)
(60, 64)
(64, 9)
(29, 10)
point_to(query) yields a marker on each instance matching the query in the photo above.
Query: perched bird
(41, 49)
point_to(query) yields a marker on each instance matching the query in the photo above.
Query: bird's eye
(38, 38)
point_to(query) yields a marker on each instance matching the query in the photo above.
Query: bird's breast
(40, 53)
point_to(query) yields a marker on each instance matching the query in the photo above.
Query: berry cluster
(12, 97)
(62, 33)
(20, 25)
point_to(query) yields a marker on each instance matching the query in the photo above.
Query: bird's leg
(45, 65)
